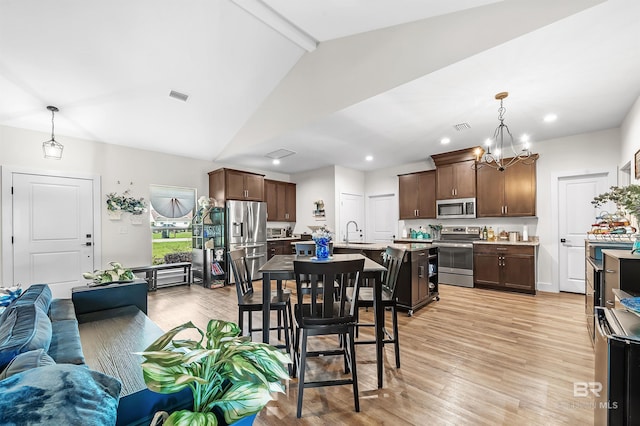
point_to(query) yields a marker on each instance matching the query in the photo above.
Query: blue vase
(322, 248)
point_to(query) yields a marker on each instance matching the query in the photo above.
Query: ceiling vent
(461, 126)
(280, 153)
(179, 96)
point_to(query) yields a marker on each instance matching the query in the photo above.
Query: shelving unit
(208, 248)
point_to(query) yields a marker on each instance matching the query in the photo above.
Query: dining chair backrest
(392, 260)
(305, 248)
(241, 272)
(308, 248)
(345, 273)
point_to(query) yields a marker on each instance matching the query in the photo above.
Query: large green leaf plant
(230, 376)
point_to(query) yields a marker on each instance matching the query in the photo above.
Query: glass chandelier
(497, 159)
(52, 148)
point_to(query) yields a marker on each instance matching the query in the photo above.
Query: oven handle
(456, 245)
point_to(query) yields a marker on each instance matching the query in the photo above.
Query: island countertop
(508, 243)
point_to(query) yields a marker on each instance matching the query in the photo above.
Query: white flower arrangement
(322, 233)
(126, 203)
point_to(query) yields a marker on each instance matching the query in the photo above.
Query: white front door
(53, 231)
(382, 220)
(575, 217)
(351, 209)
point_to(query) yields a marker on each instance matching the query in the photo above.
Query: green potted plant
(625, 197)
(117, 274)
(230, 376)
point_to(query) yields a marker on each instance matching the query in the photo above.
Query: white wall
(23, 148)
(314, 185)
(630, 136)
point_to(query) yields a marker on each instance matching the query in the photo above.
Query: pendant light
(496, 159)
(51, 148)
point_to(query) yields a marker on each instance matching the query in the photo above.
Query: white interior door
(351, 208)
(53, 231)
(382, 218)
(576, 215)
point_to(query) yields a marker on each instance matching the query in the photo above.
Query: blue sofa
(44, 376)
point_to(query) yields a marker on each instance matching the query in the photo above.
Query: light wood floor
(476, 357)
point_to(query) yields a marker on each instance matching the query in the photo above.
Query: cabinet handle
(610, 271)
(506, 209)
(610, 303)
(421, 271)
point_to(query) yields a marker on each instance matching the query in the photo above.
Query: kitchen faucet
(347, 230)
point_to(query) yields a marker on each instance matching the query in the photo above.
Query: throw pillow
(37, 294)
(26, 361)
(26, 328)
(60, 394)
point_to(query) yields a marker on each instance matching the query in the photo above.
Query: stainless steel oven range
(455, 255)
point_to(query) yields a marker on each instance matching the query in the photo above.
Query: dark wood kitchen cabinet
(418, 279)
(509, 193)
(281, 200)
(417, 195)
(280, 247)
(457, 180)
(505, 267)
(229, 184)
(456, 173)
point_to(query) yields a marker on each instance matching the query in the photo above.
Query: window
(171, 210)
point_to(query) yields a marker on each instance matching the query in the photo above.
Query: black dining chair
(318, 314)
(308, 249)
(392, 260)
(248, 302)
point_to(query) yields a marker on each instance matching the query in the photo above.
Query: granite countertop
(509, 243)
(383, 246)
(283, 238)
(414, 240)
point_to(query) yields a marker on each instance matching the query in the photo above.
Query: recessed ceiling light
(445, 141)
(276, 161)
(369, 158)
(550, 118)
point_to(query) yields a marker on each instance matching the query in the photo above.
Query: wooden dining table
(280, 268)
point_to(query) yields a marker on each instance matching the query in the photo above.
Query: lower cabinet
(279, 247)
(418, 279)
(505, 267)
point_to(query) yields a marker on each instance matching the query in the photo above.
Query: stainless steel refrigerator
(247, 228)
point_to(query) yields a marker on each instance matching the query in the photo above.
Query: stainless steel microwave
(460, 208)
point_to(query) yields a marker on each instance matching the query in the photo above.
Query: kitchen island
(418, 278)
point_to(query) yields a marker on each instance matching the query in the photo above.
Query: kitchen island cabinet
(417, 195)
(418, 276)
(508, 193)
(505, 267)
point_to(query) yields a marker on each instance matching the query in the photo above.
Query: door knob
(563, 240)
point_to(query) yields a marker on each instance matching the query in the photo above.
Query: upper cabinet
(281, 200)
(229, 184)
(456, 174)
(417, 195)
(511, 192)
(457, 180)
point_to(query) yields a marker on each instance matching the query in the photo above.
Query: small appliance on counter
(276, 233)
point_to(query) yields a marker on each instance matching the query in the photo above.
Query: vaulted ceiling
(387, 78)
